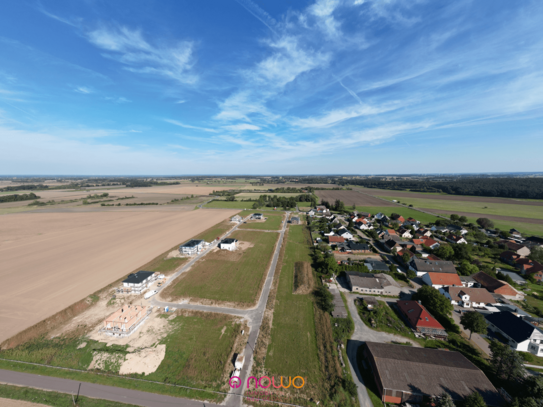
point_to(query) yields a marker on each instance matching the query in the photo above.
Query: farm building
(420, 319)
(497, 286)
(228, 244)
(408, 374)
(126, 320)
(236, 218)
(373, 283)
(192, 247)
(423, 266)
(138, 282)
(295, 220)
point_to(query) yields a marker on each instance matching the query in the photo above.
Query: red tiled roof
(430, 242)
(433, 257)
(445, 279)
(336, 239)
(391, 231)
(417, 315)
(509, 255)
(418, 241)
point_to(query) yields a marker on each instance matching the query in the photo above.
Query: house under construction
(126, 320)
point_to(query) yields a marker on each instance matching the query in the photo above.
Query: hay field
(52, 260)
(233, 277)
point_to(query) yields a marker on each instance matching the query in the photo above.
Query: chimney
(420, 302)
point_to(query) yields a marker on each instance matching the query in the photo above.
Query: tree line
(527, 188)
(18, 197)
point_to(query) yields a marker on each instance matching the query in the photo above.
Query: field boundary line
(142, 380)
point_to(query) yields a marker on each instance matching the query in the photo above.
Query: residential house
(258, 216)
(397, 218)
(440, 229)
(126, 320)
(322, 210)
(236, 218)
(514, 276)
(344, 233)
(411, 375)
(456, 239)
(497, 286)
(368, 283)
(138, 282)
(336, 239)
(423, 233)
(376, 265)
(535, 272)
(295, 220)
(228, 244)
(420, 319)
(358, 247)
(364, 214)
(515, 233)
(431, 243)
(534, 241)
(520, 334)
(192, 247)
(423, 266)
(509, 257)
(468, 297)
(468, 281)
(439, 280)
(516, 248)
(381, 216)
(404, 233)
(527, 266)
(457, 230)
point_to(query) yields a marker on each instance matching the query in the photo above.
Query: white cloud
(340, 115)
(119, 100)
(83, 89)
(241, 105)
(131, 49)
(180, 102)
(188, 126)
(323, 10)
(241, 127)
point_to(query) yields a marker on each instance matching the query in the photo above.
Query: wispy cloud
(180, 102)
(129, 47)
(241, 127)
(340, 115)
(83, 89)
(188, 126)
(117, 99)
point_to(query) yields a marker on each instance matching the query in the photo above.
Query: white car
(150, 294)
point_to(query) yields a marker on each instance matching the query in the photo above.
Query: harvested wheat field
(52, 260)
(351, 197)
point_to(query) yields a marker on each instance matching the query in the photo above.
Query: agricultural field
(256, 195)
(351, 197)
(215, 231)
(401, 210)
(220, 204)
(224, 276)
(53, 260)
(293, 346)
(272, 222)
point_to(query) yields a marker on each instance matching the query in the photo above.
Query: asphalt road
(97, 391)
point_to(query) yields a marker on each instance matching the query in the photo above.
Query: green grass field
(405, 212)
(52, 398)
(215, 231)
(272, 223)
(168, 265)
(256, 195)
(293, 348)
(230, 276)
(197, 352)
(484, 208)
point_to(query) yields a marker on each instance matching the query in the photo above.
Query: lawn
(484, 208)
(273, 222)
(229, 276)
(215, 231)
(197, 353)
(52, 398)
(404, 211)
(292, 350)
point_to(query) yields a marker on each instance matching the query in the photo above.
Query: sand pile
(144, 361)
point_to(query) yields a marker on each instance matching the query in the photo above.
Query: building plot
(225, 276)
(264, 221)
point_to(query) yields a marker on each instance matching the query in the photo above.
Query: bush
(350, 387)
(528, 357)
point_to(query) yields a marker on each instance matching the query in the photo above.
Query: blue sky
(270, 86)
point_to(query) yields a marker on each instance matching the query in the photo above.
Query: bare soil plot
(351, 197)
(221, 276)
(303, 277)
(421, 195)
(52, 260)
(18, 403)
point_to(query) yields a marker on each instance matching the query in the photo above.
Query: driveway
(475, 338)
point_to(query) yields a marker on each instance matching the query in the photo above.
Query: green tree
(534, 386)
(445, 400)
(406, 258)
(467, 269)
(507, 362)
(473, 321)
(463, 219)
(445, 252)
(354, 207)
(498, 355)
(536, 254)
(433, 300)
(454, 217)
(474, 400)
(485, 223)
(411, 274)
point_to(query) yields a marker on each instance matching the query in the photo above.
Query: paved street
(97, 391)
(475, 338)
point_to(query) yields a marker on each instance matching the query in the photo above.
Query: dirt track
(407, 194)
(481, 215)
(51, 260)
(350, 197)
